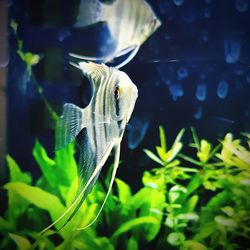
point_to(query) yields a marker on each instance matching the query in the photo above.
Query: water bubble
(232, 48)
(62, 34)
(198, 113)
(176, 90)
(178, 2)
(241, 5)
(207, 12)
(182, 73)
(238, 70)
(188, 16)
(204, 35)
(222, 89)
(165, 6)
(167, 36)
(202, 76)
(166, 73)
(201, 92)
(248, 77)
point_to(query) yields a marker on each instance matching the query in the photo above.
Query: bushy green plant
(198, 202)
(207, 196)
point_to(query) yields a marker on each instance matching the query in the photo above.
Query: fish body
(130, 23)
(102, 124)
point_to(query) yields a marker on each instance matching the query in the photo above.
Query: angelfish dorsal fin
(94, 71)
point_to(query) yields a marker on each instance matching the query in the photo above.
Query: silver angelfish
(102, 124)
(130, 23)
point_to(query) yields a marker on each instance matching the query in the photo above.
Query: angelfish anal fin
(69, 125)
(78, 201)
(116, 164)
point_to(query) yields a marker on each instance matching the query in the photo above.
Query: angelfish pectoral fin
(69, 125)
(116, 164)
(78, 201)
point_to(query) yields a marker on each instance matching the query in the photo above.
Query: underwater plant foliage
(199, 202)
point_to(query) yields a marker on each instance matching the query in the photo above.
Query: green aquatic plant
(194, 201)
(37, 203)
(207, 202)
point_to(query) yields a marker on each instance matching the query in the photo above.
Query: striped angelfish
(102, 124)
(130, 23)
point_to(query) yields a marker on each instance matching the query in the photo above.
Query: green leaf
(132, 244)
(87, 243)
(156, 201)
(193, 245)
(16, 205)
(153, 157)
(46, 165)
(172, 153)
(188, 216)
(225, 221)
(21, 242)
(193, 185)
(129, 225)
(191, 203)
(31, 59)
(138, 199)
(163, 138)
(204, 152)
(229, 211)
(175, 192)
(176, 239)
(14, 25)
(66, 164)
(5, 225)
(153, 181)
(177, 146)
(179, 136)
(61, 171)
(162, 153)
(195, 138)
(124, 191)
(148, 202)
(205, 231)
(214, 206)
(16, 175)
(38, 197)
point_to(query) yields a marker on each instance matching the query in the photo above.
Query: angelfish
(130, 23)
(102, 124)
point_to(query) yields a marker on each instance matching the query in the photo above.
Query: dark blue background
(192, 34)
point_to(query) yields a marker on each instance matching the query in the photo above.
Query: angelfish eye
(116, 93)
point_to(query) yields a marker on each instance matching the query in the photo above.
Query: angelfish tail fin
(116, 164)
(69, 125)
